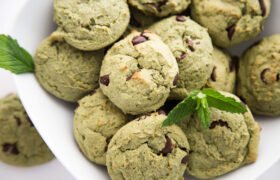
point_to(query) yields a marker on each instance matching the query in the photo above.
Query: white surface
(34, 23)
(49, 171)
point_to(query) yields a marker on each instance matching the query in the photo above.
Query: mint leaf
(203, 111)
(182, 110)
(13, 57)
(203, 114)
(199, 103)
(221, 102)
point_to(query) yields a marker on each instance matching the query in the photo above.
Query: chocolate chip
(15, 150)
(175, 81)
(6, 147)
(10, 148)
(105, 80)
(185, 159)
(161, 112)
(18, 120)
(180, 18)
(233, 64)
(183, 56)
(158, 5)
(219, 123)
(263, 8)
(262, 75)
(214, 74)
(139, 39)
(191, 45)
(278, 77)
(168, 147)
(230, 31)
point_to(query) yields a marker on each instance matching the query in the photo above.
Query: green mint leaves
(199, 102)
(13, 57)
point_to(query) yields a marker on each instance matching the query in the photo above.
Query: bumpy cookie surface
(20, 143)
(192, 47)
(223, 75)
(230, 142)
(231, 22)
(143, 149)
(138, 72)
(259, 77)
(160, 8)
(64, 71)
(96, 121)
(91, 25)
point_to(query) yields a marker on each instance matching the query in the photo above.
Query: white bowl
(53, 118)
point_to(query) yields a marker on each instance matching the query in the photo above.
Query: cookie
(20, 143)
(160, 8)
(192, 48)
(96, 120)
(231, 22)
(259, 77)
(143, 149)
(223, 76)
(64, 71)
(91, 25)
(230, 142)
(138, 72)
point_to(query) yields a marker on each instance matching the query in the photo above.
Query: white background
(53, 170)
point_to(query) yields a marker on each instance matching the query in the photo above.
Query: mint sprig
(13, 57)
(199, 102)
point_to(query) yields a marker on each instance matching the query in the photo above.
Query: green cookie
(64, 71)
(231, 141)
(91, 25)
(224, 72)
(138, 73)
(259, 77)
(192, 47)
(160, 8)
(20, 143)
(231, 22)
(143, 149)
(96, 121)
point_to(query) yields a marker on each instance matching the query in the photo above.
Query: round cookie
(230, 142)
(64, 71)
(91, 25)
(143, 149)
(259, 77)
(224, 71)
(138, 72)
(192, 47)
(20, 143)
(231, 22)
(96, 120)
(160, 8)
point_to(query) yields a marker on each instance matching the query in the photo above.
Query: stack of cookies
(125, 62)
